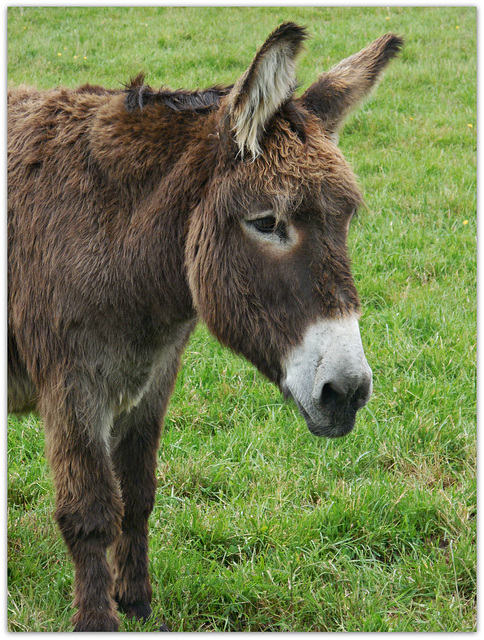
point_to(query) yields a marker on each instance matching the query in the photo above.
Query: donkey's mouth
(329, 424)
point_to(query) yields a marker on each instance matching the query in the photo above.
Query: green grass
(258, 525)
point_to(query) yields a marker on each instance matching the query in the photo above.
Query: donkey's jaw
(328, 376)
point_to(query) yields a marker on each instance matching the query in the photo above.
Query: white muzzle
(328, 376)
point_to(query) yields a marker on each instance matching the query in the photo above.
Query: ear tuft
(380, 52)
(266, 85)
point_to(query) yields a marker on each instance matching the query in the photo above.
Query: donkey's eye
(270, 231)
(264, 225)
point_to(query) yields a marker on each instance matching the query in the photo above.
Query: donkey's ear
(264, 87)
(339, 91)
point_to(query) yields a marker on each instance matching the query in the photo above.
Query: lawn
(258, 525)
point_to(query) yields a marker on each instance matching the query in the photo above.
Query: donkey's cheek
(328, 376)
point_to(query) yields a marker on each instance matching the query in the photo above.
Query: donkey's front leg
(134, 450)
(89, 505)
(134, 457)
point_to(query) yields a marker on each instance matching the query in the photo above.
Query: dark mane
(139, 94)
(95, 89)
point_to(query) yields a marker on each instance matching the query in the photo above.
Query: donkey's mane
(139, 94)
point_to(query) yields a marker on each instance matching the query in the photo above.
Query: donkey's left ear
(337, 92)
(264, 87)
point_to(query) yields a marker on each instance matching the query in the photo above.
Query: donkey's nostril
(330, 396)
(335, 395)
(362, 394)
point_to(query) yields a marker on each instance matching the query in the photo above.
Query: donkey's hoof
(138, 609)
(141, 610)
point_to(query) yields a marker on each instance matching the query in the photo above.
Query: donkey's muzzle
(328, 376)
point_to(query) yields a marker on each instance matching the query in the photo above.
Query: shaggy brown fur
(130, 215)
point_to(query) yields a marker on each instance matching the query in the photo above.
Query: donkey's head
(266, 251)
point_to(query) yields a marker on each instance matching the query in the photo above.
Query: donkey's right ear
(264, 87)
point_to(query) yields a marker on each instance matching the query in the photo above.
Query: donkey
(132, 214)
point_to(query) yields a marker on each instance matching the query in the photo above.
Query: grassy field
(259, 526)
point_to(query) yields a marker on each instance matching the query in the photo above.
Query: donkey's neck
(140, 146)
(157, 162)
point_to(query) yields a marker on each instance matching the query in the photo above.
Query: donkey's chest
(147, 368)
